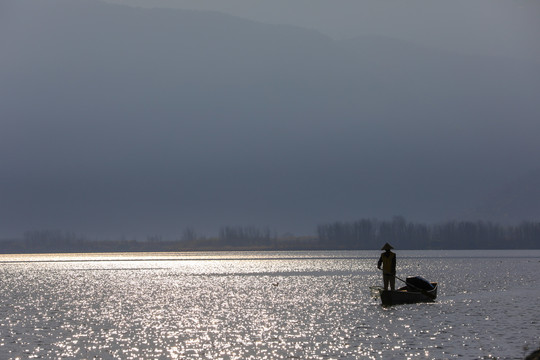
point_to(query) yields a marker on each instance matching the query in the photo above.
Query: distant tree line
(363, 234)
(370, 234)
(229, 238)
(246, 236)
(56, 241)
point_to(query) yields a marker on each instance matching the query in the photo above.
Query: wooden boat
(408, 295)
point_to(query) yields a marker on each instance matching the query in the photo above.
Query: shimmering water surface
(266, 305)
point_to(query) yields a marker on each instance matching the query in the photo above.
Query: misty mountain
(120, 120)
(482, 27)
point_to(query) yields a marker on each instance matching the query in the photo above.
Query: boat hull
(404, 296)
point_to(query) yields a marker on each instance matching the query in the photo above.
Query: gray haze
(133, 121)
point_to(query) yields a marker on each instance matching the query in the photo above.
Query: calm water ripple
(290, 305)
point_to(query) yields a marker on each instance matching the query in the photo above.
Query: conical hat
(387, 246)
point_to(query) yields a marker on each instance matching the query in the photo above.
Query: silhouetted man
(388, 262)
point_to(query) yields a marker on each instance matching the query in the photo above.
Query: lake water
(266, 305)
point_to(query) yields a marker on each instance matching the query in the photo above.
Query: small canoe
(408, 295)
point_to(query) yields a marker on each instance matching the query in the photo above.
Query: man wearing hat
(388, 262)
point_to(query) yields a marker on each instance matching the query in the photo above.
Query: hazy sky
(128, 121)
